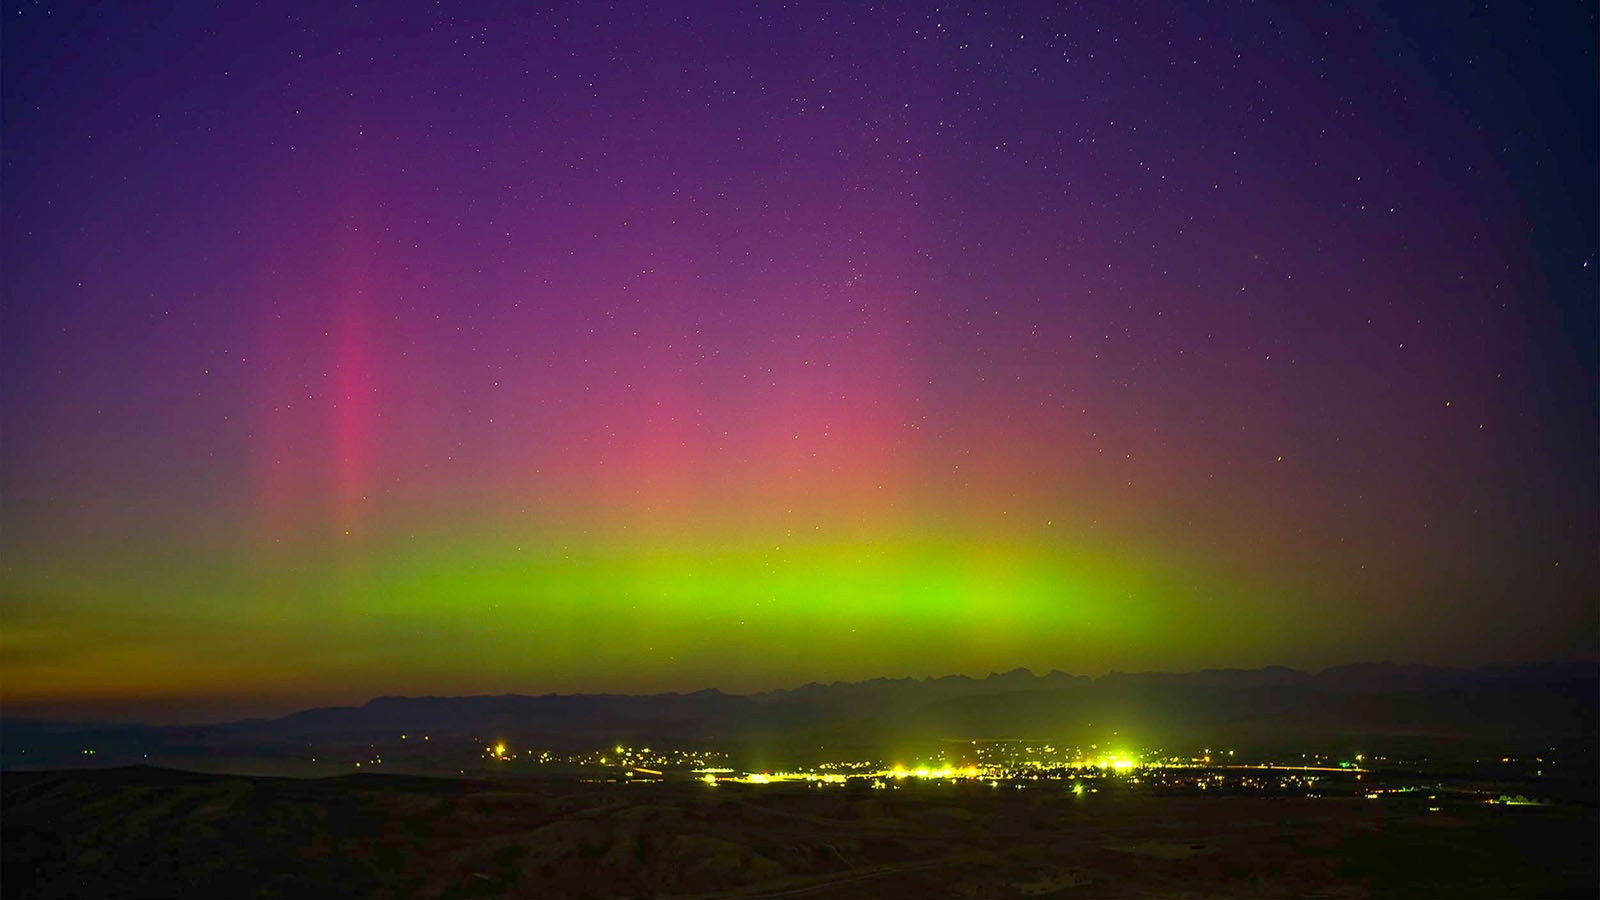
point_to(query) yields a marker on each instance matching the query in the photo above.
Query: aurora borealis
(482, 348)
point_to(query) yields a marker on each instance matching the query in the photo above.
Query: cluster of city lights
(1119, 764)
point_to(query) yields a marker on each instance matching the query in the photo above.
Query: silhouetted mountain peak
(1369, 698)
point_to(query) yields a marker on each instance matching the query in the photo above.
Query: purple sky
(341, 344)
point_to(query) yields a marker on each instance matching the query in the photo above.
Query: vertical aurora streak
(510, 349)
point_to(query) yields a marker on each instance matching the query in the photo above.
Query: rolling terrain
(144, 832)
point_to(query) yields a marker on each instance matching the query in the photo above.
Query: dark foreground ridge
(144, 832)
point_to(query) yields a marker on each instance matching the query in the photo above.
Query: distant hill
(1525, 704)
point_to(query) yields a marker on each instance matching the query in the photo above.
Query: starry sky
(485, 347)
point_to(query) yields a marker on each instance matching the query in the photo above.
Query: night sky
(471, 348)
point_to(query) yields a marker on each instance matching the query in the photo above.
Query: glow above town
(427, 350)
